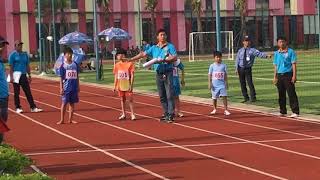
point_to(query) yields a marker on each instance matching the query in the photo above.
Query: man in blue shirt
(4, 89)
(19, 64)
(285, 76)
(167, 54)
(244, 62)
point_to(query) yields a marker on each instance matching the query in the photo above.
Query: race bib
(218, 75)
(248, 58)
(175, 71)
(123, 75)
(71, 74)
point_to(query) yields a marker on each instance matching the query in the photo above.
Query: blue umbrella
(75, 38)
(115, 34)
(78, 56)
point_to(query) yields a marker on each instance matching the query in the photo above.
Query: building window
(209, 4)
(187, 6)
(74, 4)
(146, 30)
(166, 27)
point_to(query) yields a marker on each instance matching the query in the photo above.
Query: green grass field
(308, 85)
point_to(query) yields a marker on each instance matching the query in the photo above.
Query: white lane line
(212, 132)
(162, 147)
(164, 142)
(93, 147)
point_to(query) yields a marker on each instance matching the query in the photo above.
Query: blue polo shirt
(156, 52)
(4, 89)
(19, 61)
(284, 60)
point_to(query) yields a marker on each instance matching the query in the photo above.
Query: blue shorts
(176, 87)
(218, 92)
(70, 97)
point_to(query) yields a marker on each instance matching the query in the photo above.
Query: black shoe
(253, 100)
(163, 118)
(245, 100)
(170, 119)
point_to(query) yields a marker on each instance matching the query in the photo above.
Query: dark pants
(284, 85)
(3, 113)
(165, 90)
(24, 83)
(245, 76)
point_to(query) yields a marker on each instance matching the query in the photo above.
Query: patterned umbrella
(75, 38)
(115, 34)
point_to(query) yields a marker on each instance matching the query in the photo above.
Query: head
(217, 55)
(144, 42)
(68, 52)
(161, 36)
(282, 42)
(18, 45)
(121, 54)
(246, 41)
(3, 44)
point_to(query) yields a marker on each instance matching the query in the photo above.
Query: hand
(210, 86)
(236, 72)
(30, 79)
(183, 83)
(61, 91)
(130, 88)
(275, 81)
(78, 89)
(227, 86)
(294, 79)
(269, 56)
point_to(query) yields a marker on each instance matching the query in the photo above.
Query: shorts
(125, 93)
(176, 87)
(218, 92)
(70, 97)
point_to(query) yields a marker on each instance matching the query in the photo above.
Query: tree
(104, 5)
(151, 6)
(242, 6)
(196, 8)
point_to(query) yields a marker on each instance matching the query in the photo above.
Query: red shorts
(125, 93)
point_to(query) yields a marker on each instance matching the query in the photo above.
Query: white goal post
(208, 41)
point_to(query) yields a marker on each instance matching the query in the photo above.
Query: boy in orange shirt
(123, 82)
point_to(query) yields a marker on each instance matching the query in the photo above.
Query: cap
(2, 40)
(17, 42)
(246, 38)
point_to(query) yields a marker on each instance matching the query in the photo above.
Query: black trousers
(245, 76)
(284, 85)
(24, 83)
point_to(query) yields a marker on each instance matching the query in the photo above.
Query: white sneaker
(213, 112)
(133, 117)
(35, 110)
(293, 115)
(227, 113)
(19, 110)
(180, 115)
(122, 117)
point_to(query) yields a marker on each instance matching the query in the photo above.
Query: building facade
(265, 20)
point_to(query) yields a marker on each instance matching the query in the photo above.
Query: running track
(245, 145)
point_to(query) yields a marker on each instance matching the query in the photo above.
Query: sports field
(308, 85)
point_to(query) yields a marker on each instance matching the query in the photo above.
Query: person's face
(2, 46)
(246, 44)
(120, 56)
(282, 43)
(217, 59)
(162, 37)
(68, 56)
(19, 47)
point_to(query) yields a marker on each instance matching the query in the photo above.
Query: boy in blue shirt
(69, 85)
(218, 82)
(176, 85)
(285, 76)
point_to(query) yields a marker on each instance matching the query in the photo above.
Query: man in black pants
(285, 75)
(244, 62)
(19, 68)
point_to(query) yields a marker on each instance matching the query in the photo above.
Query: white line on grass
(161, 141)
(93, 147)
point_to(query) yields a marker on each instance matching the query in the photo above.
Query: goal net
(202, 45)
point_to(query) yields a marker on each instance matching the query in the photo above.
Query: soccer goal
(202, 44)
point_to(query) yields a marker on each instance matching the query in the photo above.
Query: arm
(61, 86)
(237, 62)
(275, 78)
(226, 80)
(115, 84)
(259, 54)
(138, 56)
(171, 58)
(294, 75)
(28, 67)
(182, 78)
(11, 67)
(131, 81)
(78, 82)
(209, 81)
